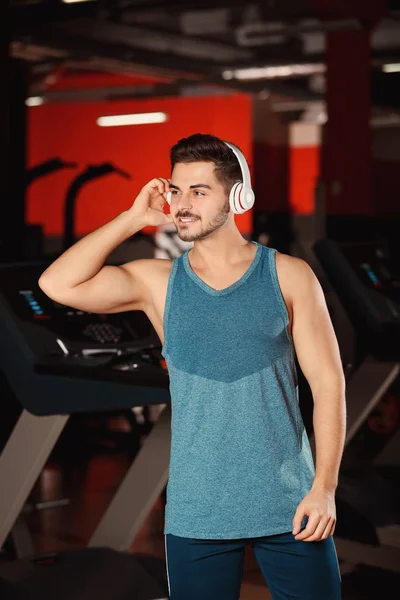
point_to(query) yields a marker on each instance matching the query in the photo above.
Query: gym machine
(91, 173)
(59, 361)
(366, 279)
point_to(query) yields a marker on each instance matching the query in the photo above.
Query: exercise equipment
(367, 281)
(98, 573)
(60, 361)
(33, 237)
(46, 168)
(241, 195)
(89, 174)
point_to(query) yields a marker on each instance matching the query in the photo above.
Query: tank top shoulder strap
(171, 279)
(270, 258)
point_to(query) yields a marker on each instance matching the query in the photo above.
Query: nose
(184, 204)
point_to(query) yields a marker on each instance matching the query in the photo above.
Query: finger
(166, 182)
(156, 185)
(328, 528)
(332, 531)
(164, 191)
(319, 532)
(297, 519)
(159, 186)
(312, 524)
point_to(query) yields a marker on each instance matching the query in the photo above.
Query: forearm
(329, 421)
(85, 258)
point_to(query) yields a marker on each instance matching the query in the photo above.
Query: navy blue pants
(212, 569)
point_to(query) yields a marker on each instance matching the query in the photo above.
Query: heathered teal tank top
(240, 458)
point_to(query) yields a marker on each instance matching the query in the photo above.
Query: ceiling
(192, 47)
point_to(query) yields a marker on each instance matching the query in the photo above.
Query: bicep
(112, 289)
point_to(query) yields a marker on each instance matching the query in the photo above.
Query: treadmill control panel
(78, 325)
(366, 277)
(375, 268)
(50, 326)
(62, 360)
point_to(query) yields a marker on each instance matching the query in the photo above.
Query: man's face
(196, 193)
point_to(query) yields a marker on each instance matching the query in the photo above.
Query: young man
(231, 315)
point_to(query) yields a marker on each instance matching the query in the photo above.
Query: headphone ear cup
(250, 198)
(235, 197)
(169, 197)
(232, 198)
(238, 195)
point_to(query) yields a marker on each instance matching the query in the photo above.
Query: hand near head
(149, 204)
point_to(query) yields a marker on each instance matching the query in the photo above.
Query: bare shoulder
(151, 276)
(149, 270)
(295, 275)
(291, 265)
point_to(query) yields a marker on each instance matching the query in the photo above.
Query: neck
(219, 251)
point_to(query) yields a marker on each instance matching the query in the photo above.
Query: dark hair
(204, 147)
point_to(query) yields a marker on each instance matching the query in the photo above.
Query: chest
(220, 280)
(246, 316)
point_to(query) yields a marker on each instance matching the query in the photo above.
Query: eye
(197, 192)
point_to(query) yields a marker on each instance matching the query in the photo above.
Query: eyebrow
(198, 185)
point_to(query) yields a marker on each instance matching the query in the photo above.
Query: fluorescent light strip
(273, 72)
(134, 119)
(75, 1)
(34, 101)
(391, 68)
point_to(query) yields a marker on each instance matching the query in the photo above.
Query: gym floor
(90, 489)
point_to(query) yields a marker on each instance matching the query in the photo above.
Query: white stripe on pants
(166, 562)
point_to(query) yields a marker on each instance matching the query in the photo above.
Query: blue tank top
(240, 459)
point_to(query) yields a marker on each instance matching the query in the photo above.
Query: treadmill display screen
(372, 275)
(376, 268)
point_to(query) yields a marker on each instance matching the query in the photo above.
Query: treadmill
(366, 279)
(59, 361)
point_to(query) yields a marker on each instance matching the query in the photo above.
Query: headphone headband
(243, 164)
(241, 197)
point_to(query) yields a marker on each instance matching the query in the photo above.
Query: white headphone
(241, 196)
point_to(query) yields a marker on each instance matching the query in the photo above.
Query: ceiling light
(34, 101)
(134, 119)
(228, 74)
(275, 71)
(391, 68)
(74, 1)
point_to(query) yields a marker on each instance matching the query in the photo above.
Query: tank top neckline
(230, 288)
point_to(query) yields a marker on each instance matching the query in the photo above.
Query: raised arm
(79, 278)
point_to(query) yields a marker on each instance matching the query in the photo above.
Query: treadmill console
(76, 325)
(375, 267)
(60, 360)
(366, 278)
(45, 321)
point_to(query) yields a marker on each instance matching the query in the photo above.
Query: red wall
(70, 132)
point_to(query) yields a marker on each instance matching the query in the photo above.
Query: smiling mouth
(186, 221)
